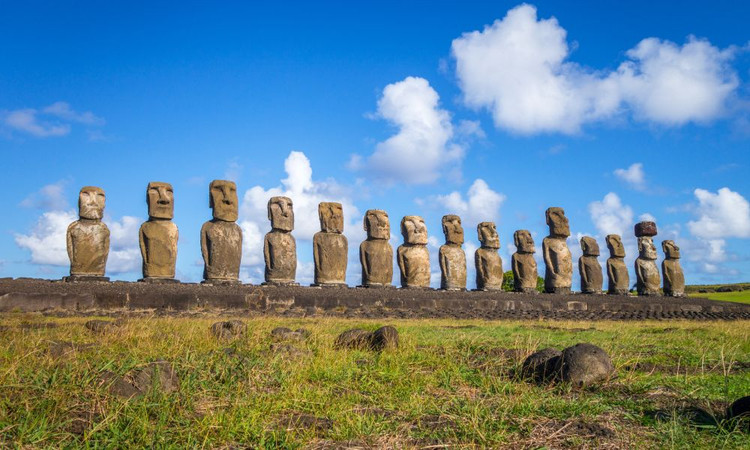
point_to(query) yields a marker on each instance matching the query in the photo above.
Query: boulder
(101, 326)
(740, 409)
(584, 364)
(384, 338)
(229, 329)
(540, 366)
(286, 334)
(159, 374)
(356, 338)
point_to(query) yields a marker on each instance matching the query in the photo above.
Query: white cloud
(610, 216)
(518, 69)
(481, 203)
(647, 217)
(47, 241)
(124, 252)
(50, 197)
(52, 121)
(305, 193)
(424, 143)
(725, 214)
(633, 175)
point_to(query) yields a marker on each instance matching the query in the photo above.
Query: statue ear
(364, 223)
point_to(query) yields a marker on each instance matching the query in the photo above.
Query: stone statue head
(160, 200)
(646, 248)
(589, 246)
(452, 229)
(223, 200)
(91, 203)
(558, 223)
(671, 250)
(487, 234)
(414, 230)
(281, 213)
(377, 225)
(614, 244)
(331, 217)
(523, 241)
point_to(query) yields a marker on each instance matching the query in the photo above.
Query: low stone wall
(84, 298)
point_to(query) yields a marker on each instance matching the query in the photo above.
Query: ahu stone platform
(55, 297)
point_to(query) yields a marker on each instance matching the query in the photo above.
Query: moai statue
(451, 256)
(617, 272)
(646, 271)
(279, 246)
(88, 238)
(330, 247)
(524, 264)
(221, 237)
(158, 236)
(376, 253)
(413, 256)
(674, 278)
(558, 274)
(589, 267)
(487, 260)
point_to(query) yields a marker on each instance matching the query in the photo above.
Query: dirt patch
(734, 368)
(575, 433)
(60, 349)
(82, 420)
(459, 327)
(37, 325)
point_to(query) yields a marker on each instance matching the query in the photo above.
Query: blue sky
(492, 110)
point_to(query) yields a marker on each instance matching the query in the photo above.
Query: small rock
(289, 350)
(384, 338)
(584, 364)
(355, 338)
(285, 334)
(540, 366)
(58, 349)
(740, 409)
(228, 330)
(159, 374)
(101, 326)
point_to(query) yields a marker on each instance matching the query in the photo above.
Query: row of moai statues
(221, 247)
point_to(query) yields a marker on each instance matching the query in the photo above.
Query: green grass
(736, 296)
(450, 382)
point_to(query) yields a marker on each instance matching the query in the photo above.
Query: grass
(450, 382)
(735, 296)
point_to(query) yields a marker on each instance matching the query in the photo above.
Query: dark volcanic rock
(59, 349)
(740, 409)
(101, 326)
(355, 338)
(584, 364)
(541, 365)
(645, 228)
(228, 330)
(384, 338)
(159, 374)
(286, 334)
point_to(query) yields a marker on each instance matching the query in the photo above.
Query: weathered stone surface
(584, 364)
(229, 329)
(451, 256)
(158, 236)
(159, 375)
(384, 338)
(646, 271)
(617, 273)
(589, 267)
(101, 326)
(740, 409)
(330, 247)
(355, 338)
(489, 265)
(279, 246)
(541, 365)
(221, 238)
(88, 237)
(525, 272)
(674, 278)
(645, 228)
(286, 334)
(376, 253)
(558, 274)
(413, 256)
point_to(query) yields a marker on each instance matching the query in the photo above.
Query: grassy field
(451, 383)
(737, 296)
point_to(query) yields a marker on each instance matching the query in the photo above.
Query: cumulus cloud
(481, 203)
(305, 193)
(51, 121)
(611, 216)
(725, 214)
(634, 176)
(425, 141)
(50, 197)
(518, 69)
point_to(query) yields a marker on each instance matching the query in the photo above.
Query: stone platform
(35, 295)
